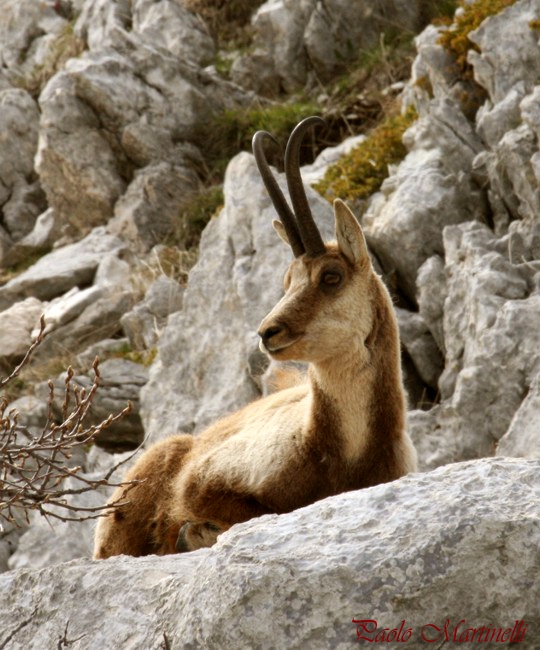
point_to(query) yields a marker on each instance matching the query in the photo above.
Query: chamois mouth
(276, 348)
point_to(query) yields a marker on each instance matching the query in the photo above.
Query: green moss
(361, 172)
(456, 39)
(424, 83)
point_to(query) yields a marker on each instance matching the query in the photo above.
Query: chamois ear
(280, 229)
(349, 235)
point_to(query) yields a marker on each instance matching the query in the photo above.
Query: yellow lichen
(361, 172)
(456, 39)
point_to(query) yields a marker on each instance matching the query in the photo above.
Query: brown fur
(344, 429)
(143, 526)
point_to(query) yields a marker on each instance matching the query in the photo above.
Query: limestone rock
(279, 60)
(24, 30)
(62, 269)
(432, 72)
(16, 326)
(38, 241)
(76, 162)
(144, 323)
(105, 106)
(49, 542)
(145, 213)
(499, 66)
(68, 306)
(166, 25)
(522, 439)
(21, 198)
(333, 26)
(32, 412)
(296, 40)
(120, 383)
(299, 579)
(99, 319)
(430, 189)
(420, 345)
(180, 31)
(9, 539)
(431, 286)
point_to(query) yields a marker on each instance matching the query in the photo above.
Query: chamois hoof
(193, 536)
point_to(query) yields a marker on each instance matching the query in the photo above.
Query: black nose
(270, 332)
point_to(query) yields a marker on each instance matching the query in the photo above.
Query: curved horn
(276, 195)
(309, 232)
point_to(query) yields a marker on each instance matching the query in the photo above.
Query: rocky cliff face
(102, 106)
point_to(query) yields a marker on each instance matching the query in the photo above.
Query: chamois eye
(331, 278)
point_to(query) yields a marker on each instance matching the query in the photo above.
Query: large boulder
(167, 24)
(404, 551)
(25, 33)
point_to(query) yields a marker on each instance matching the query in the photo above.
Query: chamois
(343, 429)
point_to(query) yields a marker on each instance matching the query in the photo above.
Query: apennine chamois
(343, 429)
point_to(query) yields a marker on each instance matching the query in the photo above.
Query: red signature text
(368, 630)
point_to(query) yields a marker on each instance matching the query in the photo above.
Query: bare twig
(34, 469)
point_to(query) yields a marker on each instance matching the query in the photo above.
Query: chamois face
(327, 309)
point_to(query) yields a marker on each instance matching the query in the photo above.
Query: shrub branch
(34, 469)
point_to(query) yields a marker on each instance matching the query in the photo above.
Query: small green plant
(456, 39)
(361, 172)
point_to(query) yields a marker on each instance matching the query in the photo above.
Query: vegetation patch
(232, 130)
(360, 173)
(142, 357)
(194, 215)
(471, 15)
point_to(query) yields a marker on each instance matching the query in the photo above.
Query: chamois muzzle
(268, 335)
(301, 230)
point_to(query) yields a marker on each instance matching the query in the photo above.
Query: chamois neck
(362, 390)
(341, 395)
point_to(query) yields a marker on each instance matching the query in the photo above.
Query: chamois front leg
(208, 508)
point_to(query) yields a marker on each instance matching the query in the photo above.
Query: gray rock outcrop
(405, 551)
(296, 41)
